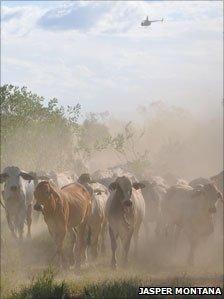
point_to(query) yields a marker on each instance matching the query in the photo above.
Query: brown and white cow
(125, 211)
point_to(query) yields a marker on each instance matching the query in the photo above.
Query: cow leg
(103, 238)
(126, 246)
(86, 242)
(160, 229)
(81, 244)
(20, 231)
(136, 237)
(113, 240)
(11, 226)
(146, 228)
(29, 220)
(193, 245)
(136, 244)
(59, 240)
(72, 239)
(95, 232)
(177, 231)
(59, 252)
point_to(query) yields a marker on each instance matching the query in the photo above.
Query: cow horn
(27, 176)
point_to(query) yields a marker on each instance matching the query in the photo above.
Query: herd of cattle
(85, 208)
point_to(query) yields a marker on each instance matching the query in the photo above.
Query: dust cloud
(168, 141)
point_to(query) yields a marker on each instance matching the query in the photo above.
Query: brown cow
(65, 210)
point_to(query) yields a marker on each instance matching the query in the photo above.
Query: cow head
(123, 187)
(43, 194)
(209, 194)
(14, 178)
(85, 179)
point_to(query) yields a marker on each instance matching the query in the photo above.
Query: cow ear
(113, 186)
(53, 191)
(92, 182)
(27, 176)
(3, 177)
(137, 186)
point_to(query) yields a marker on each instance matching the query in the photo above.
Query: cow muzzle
(127, 203)
(14, 188)
(212, 210)
(38, 207)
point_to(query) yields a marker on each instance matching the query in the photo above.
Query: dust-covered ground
(29, 264)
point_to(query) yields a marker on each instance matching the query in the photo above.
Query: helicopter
(147, 22)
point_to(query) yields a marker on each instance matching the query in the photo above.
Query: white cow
(61, 179)
(125, 212)
(97, 221)
(18, 207)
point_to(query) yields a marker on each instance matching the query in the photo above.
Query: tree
(90, 135)
(125, 145)
(36, 133)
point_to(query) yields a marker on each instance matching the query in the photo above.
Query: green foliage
(125, 144)
(44, 286)
(140, 164)
(125, 289)
(36, 133)
(90, 136)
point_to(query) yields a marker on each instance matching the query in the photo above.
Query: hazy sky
(98, 54)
